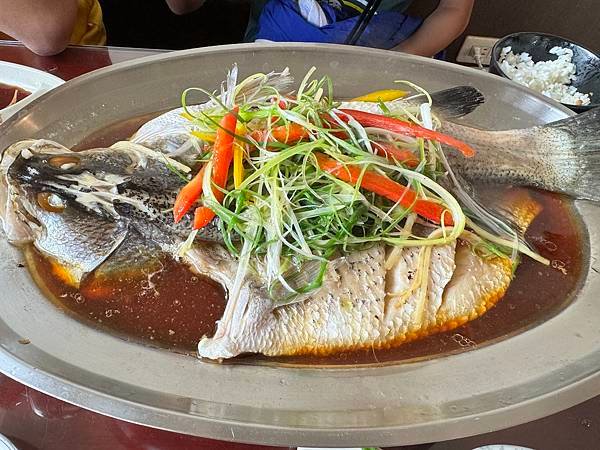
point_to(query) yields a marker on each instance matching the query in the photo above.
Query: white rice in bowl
(551, 78)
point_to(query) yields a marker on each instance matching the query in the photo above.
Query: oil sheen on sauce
(7, 94)
(173, 308)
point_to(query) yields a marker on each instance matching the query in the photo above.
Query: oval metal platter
(542, 370)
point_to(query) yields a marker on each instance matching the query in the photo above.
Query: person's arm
(439, 29)
(180, 7)
(45, 27)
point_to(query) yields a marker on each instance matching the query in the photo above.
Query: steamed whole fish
(362, 303)
(114, 202)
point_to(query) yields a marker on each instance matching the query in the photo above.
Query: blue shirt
(352, 6)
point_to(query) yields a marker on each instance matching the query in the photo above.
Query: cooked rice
(551, 78)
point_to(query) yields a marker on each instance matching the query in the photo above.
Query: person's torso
(386, 5)
(350, 7)
(89, 27)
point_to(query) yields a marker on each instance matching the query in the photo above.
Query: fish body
(114, 218)
(111, 203)
(362, 304)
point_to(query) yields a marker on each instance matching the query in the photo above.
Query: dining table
(32, 420)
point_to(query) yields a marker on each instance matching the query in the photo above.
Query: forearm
(180, 7)
(45, 26)
(438, 30)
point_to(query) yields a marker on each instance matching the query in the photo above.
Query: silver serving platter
(547, 368)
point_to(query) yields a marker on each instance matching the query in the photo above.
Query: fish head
(40, 205)
(78, 207)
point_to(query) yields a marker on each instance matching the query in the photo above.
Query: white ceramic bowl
(32, 80)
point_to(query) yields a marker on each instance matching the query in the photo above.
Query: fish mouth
(17, 213)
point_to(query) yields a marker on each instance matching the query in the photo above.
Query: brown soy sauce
(167, 306)
(173, 308)
(7, 94)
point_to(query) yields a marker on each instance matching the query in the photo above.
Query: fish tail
(561, 156)
(456, 102)
(574, 144)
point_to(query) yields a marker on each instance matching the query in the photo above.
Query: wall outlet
(467, 51)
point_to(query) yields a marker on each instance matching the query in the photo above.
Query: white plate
(33, 80)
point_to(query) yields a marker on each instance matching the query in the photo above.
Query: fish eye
(64, 162)
(51, 202)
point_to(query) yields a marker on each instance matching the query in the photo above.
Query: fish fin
(228, 91)
(263, 85)
(451, 103)
(135, 258)
(456, 102)
(577, 148)
(516, 207)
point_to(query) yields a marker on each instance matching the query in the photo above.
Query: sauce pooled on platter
(11, 94)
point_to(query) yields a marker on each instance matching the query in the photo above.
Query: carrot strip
(382, 185)
(188, 195)
(223, 150)
(286, 134)
(407, 129)
(202, 217)
(393, 153)
(222, 157)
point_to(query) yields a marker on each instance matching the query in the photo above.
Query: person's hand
(443, 25)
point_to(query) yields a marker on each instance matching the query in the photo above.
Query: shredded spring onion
(281, 209)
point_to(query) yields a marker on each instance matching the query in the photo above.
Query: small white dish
(32, 80)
